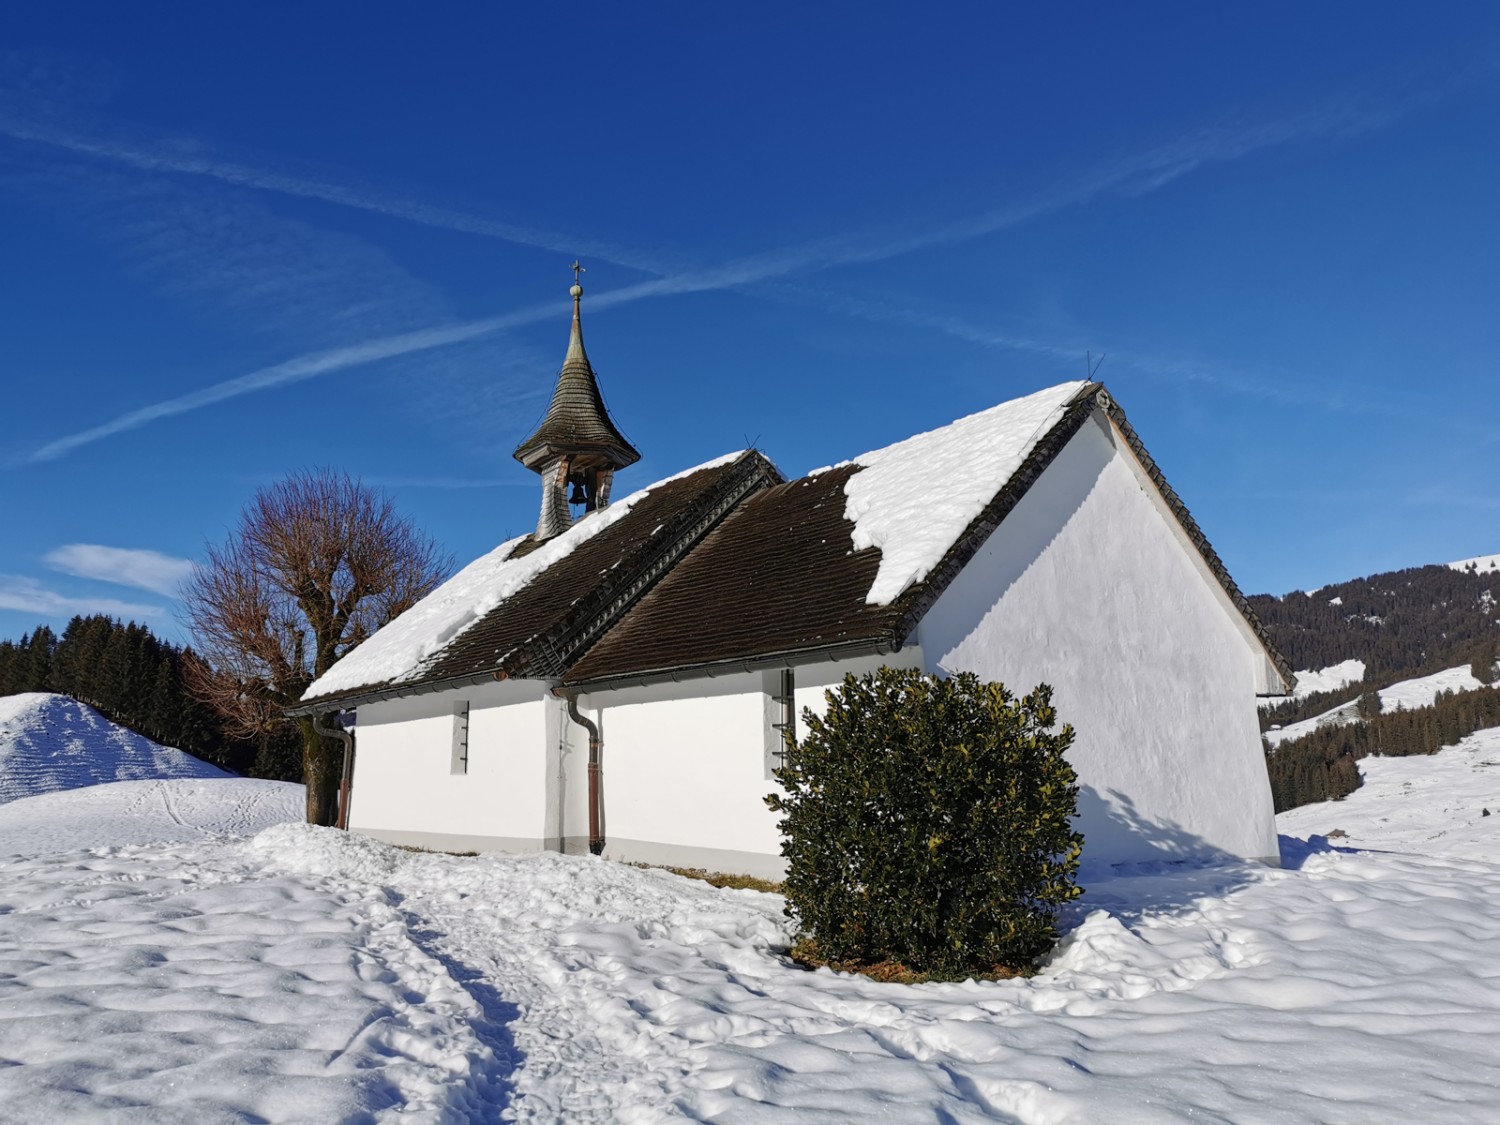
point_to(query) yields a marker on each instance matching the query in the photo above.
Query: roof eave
(786, 658)
(535, 454)
(347, 701)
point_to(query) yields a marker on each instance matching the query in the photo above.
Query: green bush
(928, 822)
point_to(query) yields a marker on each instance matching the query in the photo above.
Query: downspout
(346, 778)
(596, 797)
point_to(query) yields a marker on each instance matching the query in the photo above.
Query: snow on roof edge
(915, 498)
(399, 651)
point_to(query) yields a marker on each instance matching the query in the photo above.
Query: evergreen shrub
(928, 823)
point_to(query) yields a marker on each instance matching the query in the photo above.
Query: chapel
(624, 679)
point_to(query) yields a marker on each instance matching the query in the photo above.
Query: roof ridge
(594, 613)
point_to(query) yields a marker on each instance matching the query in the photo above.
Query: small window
(781, 716)
(460, 762)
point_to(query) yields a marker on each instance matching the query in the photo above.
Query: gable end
(1090, 400)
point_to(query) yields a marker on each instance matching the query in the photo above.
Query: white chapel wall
(1086, 587)
(685, 766)
(407, 791)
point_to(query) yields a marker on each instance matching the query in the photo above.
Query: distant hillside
(1400, 624)
(51, 742)
(1380, 661)
(143, 683)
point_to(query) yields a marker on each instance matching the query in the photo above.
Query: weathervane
(578, 272)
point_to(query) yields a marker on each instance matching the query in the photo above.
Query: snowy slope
(1482, 563)
(1425, 805)
(166, 810)
(1331, 678)
(52, 742)
(1410, 694)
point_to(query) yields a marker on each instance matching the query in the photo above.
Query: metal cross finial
(578, 272)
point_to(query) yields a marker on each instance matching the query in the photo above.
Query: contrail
(1141, 174)
(303, 187)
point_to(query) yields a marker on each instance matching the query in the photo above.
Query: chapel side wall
(1088, 588)
(405, 789)
(685, 766)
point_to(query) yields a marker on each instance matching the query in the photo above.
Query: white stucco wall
(1086, 586)
(405, 789)
(685, 766)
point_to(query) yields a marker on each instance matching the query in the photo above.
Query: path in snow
(51, 742)
(182, 983)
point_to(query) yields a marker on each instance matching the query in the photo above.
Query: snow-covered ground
(309, 975)
(1410, 694)
(1432, 806)
(165, 810)
(51, 742)
(1331, 678)
(1482, 563)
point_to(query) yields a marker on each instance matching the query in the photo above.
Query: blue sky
(243, 240)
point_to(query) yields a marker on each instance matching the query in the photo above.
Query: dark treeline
(140, 682)
(1320, 766)
(1401, 624)
(1295, 710)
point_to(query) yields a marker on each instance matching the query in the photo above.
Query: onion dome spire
(577, 442)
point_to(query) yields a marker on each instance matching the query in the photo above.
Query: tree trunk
(321, 766)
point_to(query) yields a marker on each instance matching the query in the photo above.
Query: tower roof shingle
(577, 421)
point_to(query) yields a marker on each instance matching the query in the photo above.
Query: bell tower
(577, 448)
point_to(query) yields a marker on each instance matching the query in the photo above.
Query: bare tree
(315, 565)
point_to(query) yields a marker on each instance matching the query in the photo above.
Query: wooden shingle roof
(779, 580)
(576, 420)
(778, 576)
(730, 567)
(542, 627)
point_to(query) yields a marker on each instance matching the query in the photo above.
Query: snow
(1410, 694)
(401, 649)
(1331, 678)
(309, 975)
(175, 810)
(51, 742)
(914, 499)
(1481, 563)
(1432, 805)
(1422, 691)
(312, 975)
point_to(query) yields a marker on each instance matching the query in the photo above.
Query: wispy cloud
(1138, 174)
(444, 482)
(294, 371)
(124, 566)
(27, 595)
(148, 152)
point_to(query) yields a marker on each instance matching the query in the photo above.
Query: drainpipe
(596, 798)
(347, 776)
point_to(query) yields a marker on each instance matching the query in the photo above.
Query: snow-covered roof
(413, 648)
(849, 557)
(915, 498)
